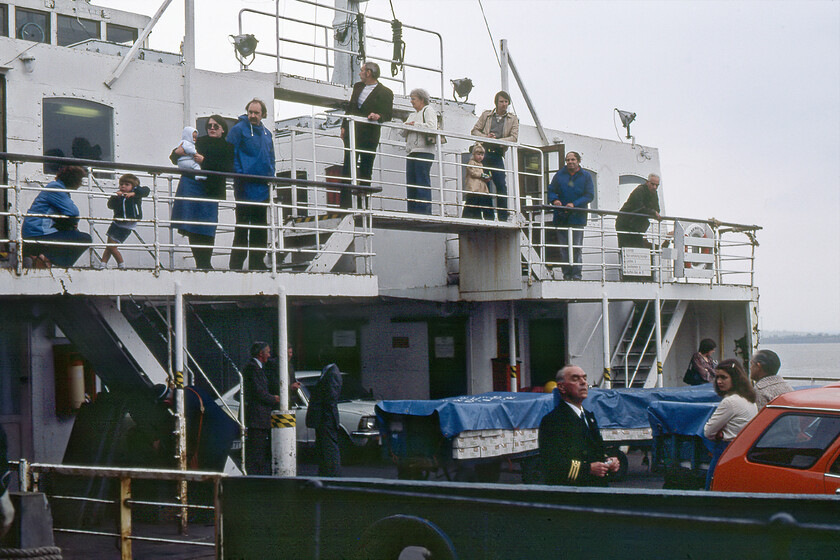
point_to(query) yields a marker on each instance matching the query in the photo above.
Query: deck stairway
(633, 362)
(102, 334)
(318, 243)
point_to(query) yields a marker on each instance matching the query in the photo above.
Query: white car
(359, 428)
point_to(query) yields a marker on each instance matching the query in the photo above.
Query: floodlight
(245, 46)
(461, 88)
(626, 118)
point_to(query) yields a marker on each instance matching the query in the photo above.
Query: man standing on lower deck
(643, 200)
(571, 187)
(764, 369)
(571, 449)
(259, 403)
(253, 147)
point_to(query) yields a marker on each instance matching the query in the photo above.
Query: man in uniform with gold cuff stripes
(571, 449)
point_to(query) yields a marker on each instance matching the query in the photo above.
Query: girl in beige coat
(477, 202)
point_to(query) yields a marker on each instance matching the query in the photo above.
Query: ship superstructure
(414, 306)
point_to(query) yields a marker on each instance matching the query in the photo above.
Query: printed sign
(444, 347)
(344, 339)
(635, 262)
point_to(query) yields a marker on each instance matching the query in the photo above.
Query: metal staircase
(101, 333)
(319, 243)
(633, 362)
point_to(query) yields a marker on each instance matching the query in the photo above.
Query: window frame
(759, 456)
(108, 26)
(109, 117)
(47, 29)
(82, 21)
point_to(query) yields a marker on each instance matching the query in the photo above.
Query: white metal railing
(155, 244)
(723, 254)
(317, 148)
(370, 47)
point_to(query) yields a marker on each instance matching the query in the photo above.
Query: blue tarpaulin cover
(613, 408)
(628, 408)
(487, 411)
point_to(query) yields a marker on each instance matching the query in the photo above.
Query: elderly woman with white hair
(420, 146)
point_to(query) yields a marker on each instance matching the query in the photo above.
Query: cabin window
(4, 20)
(32, 25)
(626, 184)
(795, 440)
(73, 30)
(77, 128)
(120, 33)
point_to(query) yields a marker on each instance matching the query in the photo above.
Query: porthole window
(77, 128)
(73, 30)
(32, 25)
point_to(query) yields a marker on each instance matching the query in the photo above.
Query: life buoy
(702, 231)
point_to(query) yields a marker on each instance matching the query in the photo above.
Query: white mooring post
(283, 451)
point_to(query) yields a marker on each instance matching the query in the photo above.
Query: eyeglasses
(213, 126)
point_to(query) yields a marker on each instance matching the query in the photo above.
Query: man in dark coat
(643, 200)
(571, 449)
(259, 403)
(374, 101)
(322, 415)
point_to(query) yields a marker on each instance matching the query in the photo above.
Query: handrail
(599, 211)
(159, 170)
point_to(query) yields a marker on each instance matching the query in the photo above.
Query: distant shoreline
(801, 339)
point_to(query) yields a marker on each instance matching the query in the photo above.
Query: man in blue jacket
(571, 187)
(253, 146)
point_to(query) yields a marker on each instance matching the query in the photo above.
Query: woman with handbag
(701, 369)
(421, 152)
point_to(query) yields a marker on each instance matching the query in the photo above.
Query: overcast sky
(742, 99)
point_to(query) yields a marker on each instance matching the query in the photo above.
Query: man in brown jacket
(500, 124)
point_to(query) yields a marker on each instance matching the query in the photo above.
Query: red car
(792, 446)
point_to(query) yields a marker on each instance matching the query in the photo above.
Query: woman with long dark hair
(733, 413)
(197, 219)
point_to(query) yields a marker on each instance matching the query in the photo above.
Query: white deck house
(416, 306)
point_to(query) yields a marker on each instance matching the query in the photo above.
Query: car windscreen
(795, 440)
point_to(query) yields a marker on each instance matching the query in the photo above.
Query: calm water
(808, 360)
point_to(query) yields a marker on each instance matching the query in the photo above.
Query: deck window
(77, 128)
(4, 20)
(32, 25)
(795, 440)
(120, 33)
(73, 30)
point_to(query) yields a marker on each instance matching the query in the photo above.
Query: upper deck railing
(321, 54)
(686, 250)
(304, 213)
(154, 243)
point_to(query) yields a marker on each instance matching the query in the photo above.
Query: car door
(832, 475)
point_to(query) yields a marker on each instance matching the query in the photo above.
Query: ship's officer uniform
(571, 449)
